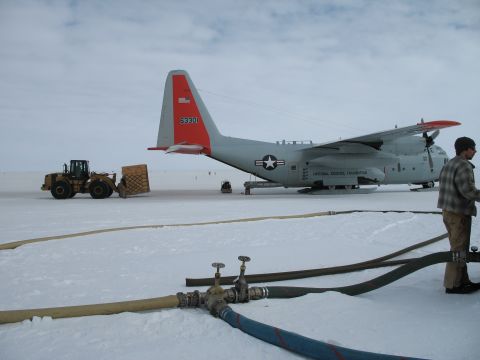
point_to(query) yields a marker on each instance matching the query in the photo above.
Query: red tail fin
(185, 124)
(188, 124)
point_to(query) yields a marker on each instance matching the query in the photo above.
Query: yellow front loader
(78, 179)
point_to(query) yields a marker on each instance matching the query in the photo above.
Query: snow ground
(411, 317)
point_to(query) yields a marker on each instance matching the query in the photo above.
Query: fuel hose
(286, 292)
(15, 244)
(301, 274)
(296, 343)
(11, 316)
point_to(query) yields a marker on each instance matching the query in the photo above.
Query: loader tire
(98, 190)
(110, 191)
(61, 190)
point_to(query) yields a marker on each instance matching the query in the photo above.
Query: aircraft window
(413, 168)
(294, 167)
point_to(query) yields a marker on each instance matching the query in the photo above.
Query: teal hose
(297, 343)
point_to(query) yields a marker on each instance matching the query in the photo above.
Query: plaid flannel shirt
(457, 187)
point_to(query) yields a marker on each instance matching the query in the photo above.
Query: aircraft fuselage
(287, 163)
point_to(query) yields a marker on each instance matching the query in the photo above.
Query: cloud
(84, 79)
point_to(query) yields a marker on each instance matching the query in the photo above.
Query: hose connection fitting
(459, 256)
(215, 299)
(191, 299)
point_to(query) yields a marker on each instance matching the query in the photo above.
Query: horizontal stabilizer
(181, 149)
(185, 149)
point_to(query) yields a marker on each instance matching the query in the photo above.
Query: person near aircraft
(457, 196)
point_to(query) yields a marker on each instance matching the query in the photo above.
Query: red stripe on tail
(188, 124)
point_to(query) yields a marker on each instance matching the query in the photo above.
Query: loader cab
(79, 169)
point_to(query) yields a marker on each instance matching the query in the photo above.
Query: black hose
(301, 274)
(282, 292)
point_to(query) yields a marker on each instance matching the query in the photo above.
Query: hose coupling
(459, 256)
(257, 293)
(190, 299)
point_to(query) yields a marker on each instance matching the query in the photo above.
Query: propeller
(429, 141)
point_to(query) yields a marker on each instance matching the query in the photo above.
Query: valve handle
(474, 249)
(244, 258)
(218, 265)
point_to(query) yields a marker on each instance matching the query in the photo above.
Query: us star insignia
(269, 162)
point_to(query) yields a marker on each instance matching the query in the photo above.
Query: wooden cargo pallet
(136, 179)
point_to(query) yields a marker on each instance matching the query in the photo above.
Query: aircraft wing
(377, 139)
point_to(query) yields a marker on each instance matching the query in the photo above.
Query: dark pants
(459, 228)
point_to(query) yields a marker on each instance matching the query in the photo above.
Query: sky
(84, 79)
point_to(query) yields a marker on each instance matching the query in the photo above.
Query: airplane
(393, 156)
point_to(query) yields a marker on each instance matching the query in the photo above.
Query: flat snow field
(411, 317)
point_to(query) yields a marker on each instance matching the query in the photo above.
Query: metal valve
(214, 296)
(474, 249)
(219, 266)
(241, 285)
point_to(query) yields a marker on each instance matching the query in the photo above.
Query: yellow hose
(15, 244)
(12, 316)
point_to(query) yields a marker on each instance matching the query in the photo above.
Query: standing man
(457, 198)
